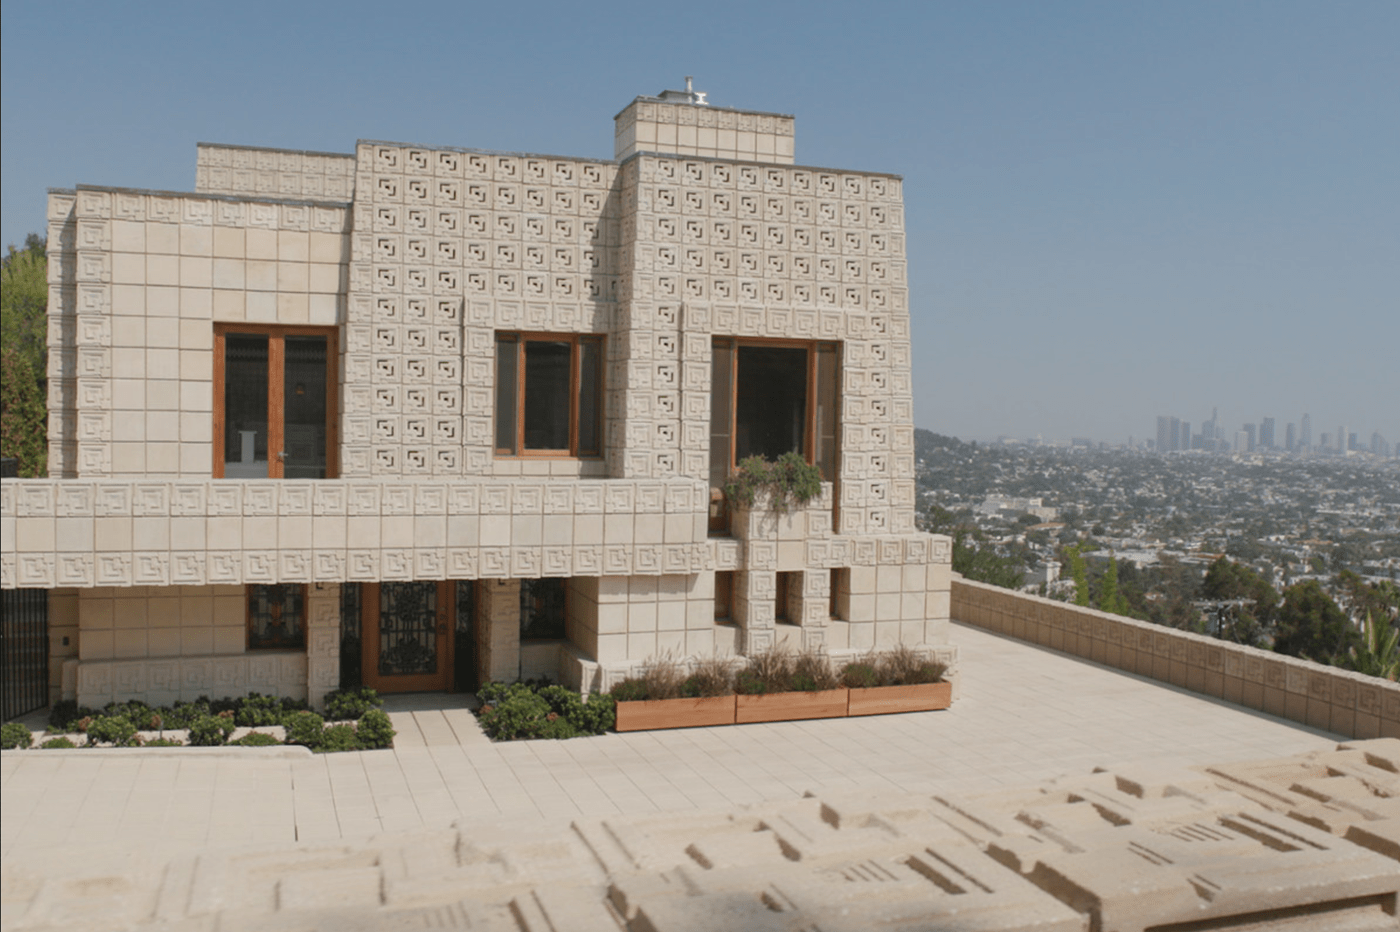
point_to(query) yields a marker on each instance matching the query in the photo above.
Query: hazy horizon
(1113, 211)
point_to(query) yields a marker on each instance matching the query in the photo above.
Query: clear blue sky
(1114, 210)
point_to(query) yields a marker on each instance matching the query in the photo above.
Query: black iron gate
(24, 650)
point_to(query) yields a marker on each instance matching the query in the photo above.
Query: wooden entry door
(408, 636)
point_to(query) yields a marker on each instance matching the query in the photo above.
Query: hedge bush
(518, 711)
(15, 735)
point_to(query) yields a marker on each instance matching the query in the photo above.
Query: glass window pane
(590, 399)
(245, 406)
(506, 390)
(542, 604)
(276, 616)
(770, 402)
(304, 408)
(721, 405)
(547, 394)
(828, 400)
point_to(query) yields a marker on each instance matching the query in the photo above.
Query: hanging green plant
(791, 480)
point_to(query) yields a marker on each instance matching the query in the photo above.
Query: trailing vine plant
(790, 481)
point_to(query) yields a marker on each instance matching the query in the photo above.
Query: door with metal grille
(407, 646)
(24, 644)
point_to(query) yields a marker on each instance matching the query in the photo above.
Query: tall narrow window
(549, 394)
(274, 396)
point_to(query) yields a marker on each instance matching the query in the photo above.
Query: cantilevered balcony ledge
(85, 533)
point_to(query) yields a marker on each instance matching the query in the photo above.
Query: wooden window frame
(248, 644)
(575, 341)
(810, 419)
(276, 388)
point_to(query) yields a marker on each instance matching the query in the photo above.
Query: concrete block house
(422, 417)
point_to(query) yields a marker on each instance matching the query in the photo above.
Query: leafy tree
(1361, 598)
(24, 293)
(1248, 623)
(1079, 573)
(1111, 599)
(1310, 625)
(984, 564)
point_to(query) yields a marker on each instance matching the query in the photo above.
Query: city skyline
(1173, 434)
(1109, 210)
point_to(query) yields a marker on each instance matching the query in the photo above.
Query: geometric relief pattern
(448, 247)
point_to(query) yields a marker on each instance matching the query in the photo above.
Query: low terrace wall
(1313, 694)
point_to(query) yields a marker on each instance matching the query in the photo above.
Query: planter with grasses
(777, 687)
(664, 696)
(897, 681)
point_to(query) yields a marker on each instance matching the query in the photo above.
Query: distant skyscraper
(1168, 433)
(1242, 441)
(1353, 441)
(1305, 436)
(1341, 438)
(1249, 433)
(1291, 438)
(1183, 441)
(1266, 433)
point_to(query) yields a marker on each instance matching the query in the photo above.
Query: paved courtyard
(1025, 714)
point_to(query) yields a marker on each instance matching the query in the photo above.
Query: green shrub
(66, 714)
(59, 742)
(375, 730)
(305, 728)
(860, 674)
(335, 738)
(632, 689)
(256, 739)
(345, 705)
(530, 710)
(211, 731)
(116, 730)
(161, 743)
(515, 715)
(15, 735)
(134, 709)
(184, 714)
(258, 711)
(597, 715)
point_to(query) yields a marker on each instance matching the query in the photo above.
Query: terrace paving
(1025, 714)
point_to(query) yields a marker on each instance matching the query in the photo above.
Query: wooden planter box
(787, 707)
(881, 700)
(675, 713)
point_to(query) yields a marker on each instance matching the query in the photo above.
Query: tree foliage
(1079, 573)
(24, 294)
(1111, 598)
(1310, 625)
(1379, 654)
(1251, 619)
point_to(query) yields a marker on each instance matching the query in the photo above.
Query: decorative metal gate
(24, 650)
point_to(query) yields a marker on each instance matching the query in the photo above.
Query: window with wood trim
(275, 402)
(549, 394)
(277, 617)
(770, 397)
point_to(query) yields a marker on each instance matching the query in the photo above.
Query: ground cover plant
(665, 678)
(539, 709)
(356, 723)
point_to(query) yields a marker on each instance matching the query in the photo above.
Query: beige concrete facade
(416, 260)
